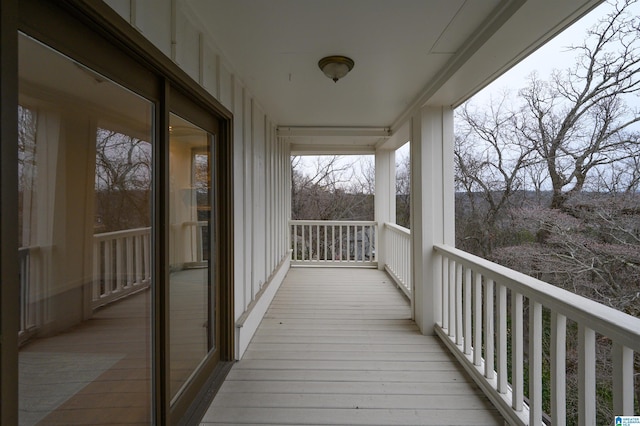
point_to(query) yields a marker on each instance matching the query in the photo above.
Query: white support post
(385, 198)
(432, 206)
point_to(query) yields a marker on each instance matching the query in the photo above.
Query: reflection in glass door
(191, 292)
(84, 212)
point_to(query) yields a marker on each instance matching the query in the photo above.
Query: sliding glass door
(122, 170)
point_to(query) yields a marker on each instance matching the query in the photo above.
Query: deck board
(337, 346)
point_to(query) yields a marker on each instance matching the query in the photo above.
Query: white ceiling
(406, 52)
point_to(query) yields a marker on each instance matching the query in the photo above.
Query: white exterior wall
(261, 159)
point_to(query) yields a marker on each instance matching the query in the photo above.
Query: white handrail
(398, 255)
(121, 264)
(468, 280)
(333, 243)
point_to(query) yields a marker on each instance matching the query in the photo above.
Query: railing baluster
(348, 243)
(355, 243)
(445, 294)
(130, 281)
(477, 320)
(108, 268)
(458, 307)
(623, 380)
(119, 266)
(586, 375)
(438, 290)
(318, 243)
(333, 242)
(374, 249)
(535, 362)
(467, 311)
(139, 272)
(302, 242)
(146, 258)
(503, 373)
(96, 270)
(558, 368)
(489, 344)
(363, 252)
(517, 382)
(341, 252)
(452, 298)
(295, 242)
(325, 243)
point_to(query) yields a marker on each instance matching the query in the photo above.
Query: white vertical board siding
(210, 75)
(225, 86)
(271, 194)
(267, 208)
(259, 198)
(153, 19)
(238, 199)
(248, 196)
(187, 48)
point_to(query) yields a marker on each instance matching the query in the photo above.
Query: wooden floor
(338, 347)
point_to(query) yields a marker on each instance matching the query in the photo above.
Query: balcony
(339, 345)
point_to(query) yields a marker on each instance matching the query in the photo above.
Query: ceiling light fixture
(335, 67)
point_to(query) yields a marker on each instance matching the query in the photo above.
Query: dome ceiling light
(335, 67)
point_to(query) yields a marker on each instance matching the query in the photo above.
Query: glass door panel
(190, 240)
(85, 147)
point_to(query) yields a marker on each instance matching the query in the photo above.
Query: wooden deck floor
(338, 347)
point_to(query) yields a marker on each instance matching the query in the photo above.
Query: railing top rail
(616, 325)
(29, 249)
(195, 223)
(333, 222)
(120, 234)
(397, 228)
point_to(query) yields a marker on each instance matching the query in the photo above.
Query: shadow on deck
(338, 346)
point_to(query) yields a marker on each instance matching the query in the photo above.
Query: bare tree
(489, 176)
(328, 190)
(403, 191)
(122, 181)
(578, 120)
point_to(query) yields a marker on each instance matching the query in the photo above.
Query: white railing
(121, 264)
(333, 243)
(477, 327)
(397, 243)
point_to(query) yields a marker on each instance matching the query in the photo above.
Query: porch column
(432, 207)
(385, 198)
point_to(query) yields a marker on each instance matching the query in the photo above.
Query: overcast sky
(553, 55)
